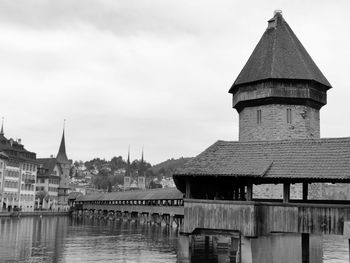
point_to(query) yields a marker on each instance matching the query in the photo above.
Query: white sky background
(149, 73)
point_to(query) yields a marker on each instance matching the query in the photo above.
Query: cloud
(146, 73)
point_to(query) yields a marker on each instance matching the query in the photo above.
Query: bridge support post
(184, 248)
(171, 221)
(282, 247)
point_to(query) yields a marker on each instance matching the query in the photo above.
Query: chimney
(19, 140)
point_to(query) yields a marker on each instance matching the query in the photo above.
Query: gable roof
(316, 159)
(279, 55)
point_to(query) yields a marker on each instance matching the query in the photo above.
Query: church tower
(127, 175)
(280, 90)
(64, 164)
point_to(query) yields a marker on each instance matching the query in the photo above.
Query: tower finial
(2, 127)
(64, 124)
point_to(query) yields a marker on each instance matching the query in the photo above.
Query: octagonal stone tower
(280, 90)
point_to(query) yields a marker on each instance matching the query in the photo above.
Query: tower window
(289, 116)
(258, 116)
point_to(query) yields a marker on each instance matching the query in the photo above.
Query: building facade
(18, 172)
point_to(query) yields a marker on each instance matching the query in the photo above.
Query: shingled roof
(279, 55)
(316, 159)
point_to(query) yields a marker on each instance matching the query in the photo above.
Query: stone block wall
(305, 123)
(317, 191)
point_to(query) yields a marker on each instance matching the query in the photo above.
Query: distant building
(47, 183)
(18, 171)
(53, 179)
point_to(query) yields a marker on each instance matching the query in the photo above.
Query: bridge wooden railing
(253, 218)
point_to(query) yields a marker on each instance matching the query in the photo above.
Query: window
(258, 117)
(289, 116)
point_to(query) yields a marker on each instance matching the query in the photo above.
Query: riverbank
(34, 213)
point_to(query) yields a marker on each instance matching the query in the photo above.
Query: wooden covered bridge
(160, 206)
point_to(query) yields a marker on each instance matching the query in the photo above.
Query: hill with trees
(107, 174)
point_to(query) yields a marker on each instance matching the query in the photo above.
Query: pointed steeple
(2, 127)
(142, 165)
(279, 55)
(61, 155)
(128, 164)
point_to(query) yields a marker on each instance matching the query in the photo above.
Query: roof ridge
(287, 140)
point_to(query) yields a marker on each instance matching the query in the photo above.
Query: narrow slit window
(289, 116)
(258, 116)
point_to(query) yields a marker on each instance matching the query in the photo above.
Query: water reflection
(62, 239)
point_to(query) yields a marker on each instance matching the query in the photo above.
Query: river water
(65, 239)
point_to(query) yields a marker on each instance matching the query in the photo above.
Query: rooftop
(279, 55)
(312, 159)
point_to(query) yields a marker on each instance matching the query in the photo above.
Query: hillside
(168, 167)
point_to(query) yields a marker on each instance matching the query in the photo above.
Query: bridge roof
(303, 160)
(152, 194)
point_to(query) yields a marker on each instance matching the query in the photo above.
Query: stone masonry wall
(305, 123)
(324, 191)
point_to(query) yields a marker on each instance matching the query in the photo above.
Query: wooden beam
(286, 192)
(249, 192)
(305, 191)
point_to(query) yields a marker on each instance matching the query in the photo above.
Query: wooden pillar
(236, 193)
(206, 243)
(184, 248)
(305, 191)
(286, 192)
(249, 192)
(242, 192)
(188, 188)
(305, 248)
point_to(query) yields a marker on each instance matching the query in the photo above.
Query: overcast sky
(150, 73)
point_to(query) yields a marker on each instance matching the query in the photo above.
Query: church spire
(61, 155)
(128, 163)
(142, 165)
(2, 127)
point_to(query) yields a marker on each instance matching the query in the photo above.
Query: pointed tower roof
(2, 127)
(128, 164)
(61, 155)
(142, 165)
(279, 55)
